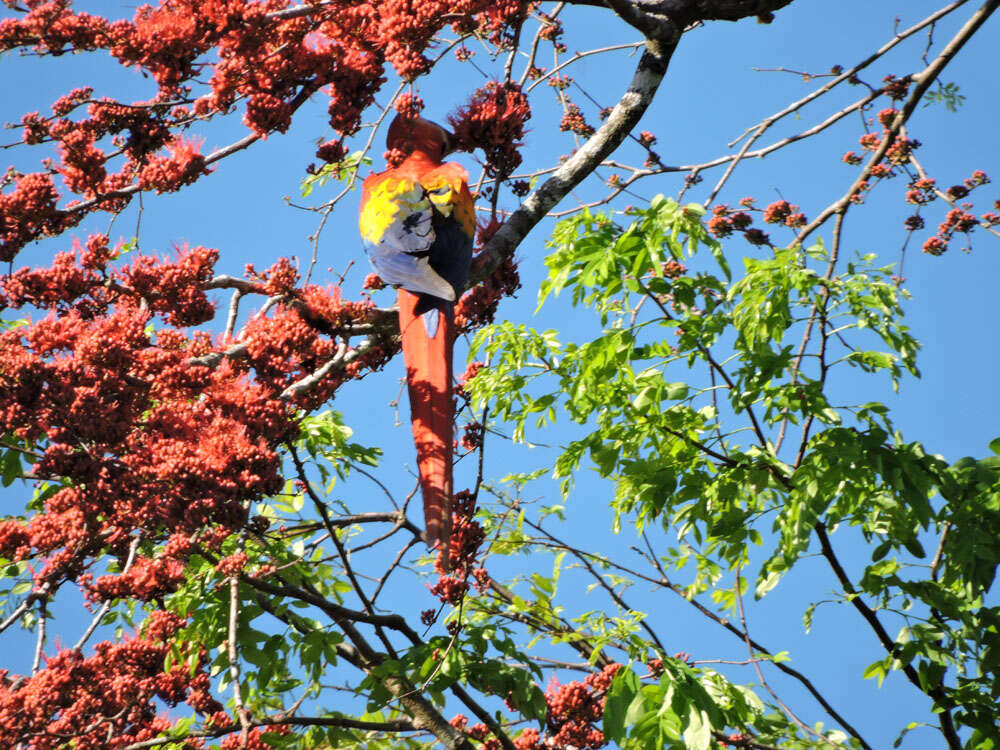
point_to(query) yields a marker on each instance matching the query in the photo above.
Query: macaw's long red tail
(427, 325)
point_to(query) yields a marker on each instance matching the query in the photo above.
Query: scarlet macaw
(418, 223)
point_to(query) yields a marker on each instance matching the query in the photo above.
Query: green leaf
(698, 734)
(21, 587)
(621, 693)
(766, 584)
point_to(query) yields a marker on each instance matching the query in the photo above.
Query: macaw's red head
(409, 134)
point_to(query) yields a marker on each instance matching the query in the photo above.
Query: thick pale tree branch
(623, 118)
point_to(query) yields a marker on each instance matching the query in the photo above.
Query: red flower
(493, 120)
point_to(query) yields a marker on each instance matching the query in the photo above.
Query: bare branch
(78, 646)
(923, 81)
(234, 661)
(626, 114)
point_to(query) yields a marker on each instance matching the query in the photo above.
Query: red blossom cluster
(782, 212)
(472, 436)
(921, 191)
(520, 188)
(332, 152)
(493, 120)
(535, 72)
(283, 346)
(574, 709)
(673, 269)
(725, 221)
(737, 739)
(373, 282)
(277, 281)
(466, 537)
(182, 165)
(552, 28)
(959, 220)
(560, 82)
(896, 88)
(574, 122)
(254, 739)
(409, 105)
(477, 731)
(991, 218)
(72, 276)
(29, 212)
(899, 152)
(529, 739)
(887, 116)
(146, 438)
(232, 565)
(174, 289)
(325, 307)
(498, 21)
(107, 700)
(478, 306)
(146, 580)
(208, 57)
(471, 370)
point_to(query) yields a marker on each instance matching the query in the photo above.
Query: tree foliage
(183, 471)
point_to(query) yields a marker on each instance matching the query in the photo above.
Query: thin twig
(923, 81)
(78, 646)
(234, 662)
(760, 674)
(40, 641)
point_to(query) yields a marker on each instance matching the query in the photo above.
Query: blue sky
(711, 94)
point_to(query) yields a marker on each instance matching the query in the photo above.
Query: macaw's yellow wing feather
(386, 201)
(448, 189)
(418, 232)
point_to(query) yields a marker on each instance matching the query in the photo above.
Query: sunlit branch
(851, 72)
(234, 661)
(394, 726)
(922, 81)
(579, 56)
(78, 646)
(666, 583)
(23, 607)
(649, 73)
(615, 596)
(760, 674)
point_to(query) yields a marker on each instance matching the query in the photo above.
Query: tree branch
(923, 81)
(624, 117)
